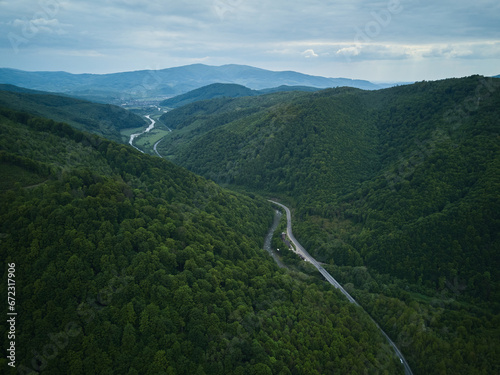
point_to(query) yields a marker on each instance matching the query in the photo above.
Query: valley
(394, 195)
(145, 137)
(156, 257)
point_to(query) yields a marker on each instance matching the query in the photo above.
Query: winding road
(269, 237)
(154, 147)
(334, 282)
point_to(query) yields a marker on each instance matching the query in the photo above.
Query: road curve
(334, 282)
(269, 237)
(154, 148)
(308, 256)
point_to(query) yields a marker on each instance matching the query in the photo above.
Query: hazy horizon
(274, 70)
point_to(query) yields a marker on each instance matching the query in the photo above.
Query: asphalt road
(269, 237)
(308, 256)
(334, 282)
(154, 148)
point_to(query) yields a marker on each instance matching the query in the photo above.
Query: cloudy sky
(393, 40)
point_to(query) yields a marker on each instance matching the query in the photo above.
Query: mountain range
(163, 83)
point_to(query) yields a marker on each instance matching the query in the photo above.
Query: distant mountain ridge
(145, 84)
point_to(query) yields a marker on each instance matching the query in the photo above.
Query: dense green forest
(128, 264)
(226, 90)
(397, 189)
(205, 115)
(102, 119)
(276, 142)
(393, 161)
(126, 261)
(215, 90)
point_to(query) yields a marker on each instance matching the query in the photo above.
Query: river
(149, 128)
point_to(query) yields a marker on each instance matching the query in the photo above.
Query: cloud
(309, 53)
(40, 25)
(80, 53)
(374, 51)
(349, 51)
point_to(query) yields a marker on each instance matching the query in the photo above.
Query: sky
(380, 41)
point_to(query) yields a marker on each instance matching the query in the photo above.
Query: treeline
(126, 263)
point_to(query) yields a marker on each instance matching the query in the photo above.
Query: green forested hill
(128, 264)
(397, 189)
(277, 142)
(226, 90)
(215, 90)
(431, 209)
(390, 160)
(101, 119)
(205, 115)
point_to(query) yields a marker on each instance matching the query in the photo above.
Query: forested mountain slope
(277, 142)
(431, 209)
(128, 264)
(389, 159)
(215, 90)
(397, 189)
(226, 90)
(101, 119)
